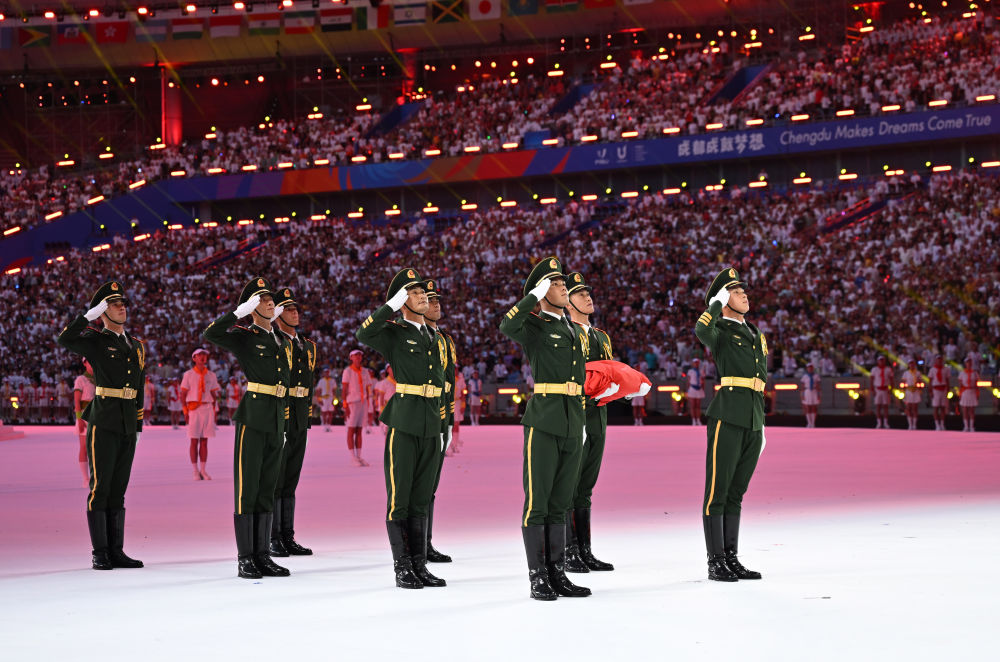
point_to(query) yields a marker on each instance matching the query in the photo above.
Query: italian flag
(372, 18)
(264, 24)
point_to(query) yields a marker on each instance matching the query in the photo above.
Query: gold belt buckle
(280, 391)
(572, 388)
(428, 390)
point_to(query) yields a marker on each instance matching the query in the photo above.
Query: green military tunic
(736, 414)
(265, 358)
(553, 424)
(299, 414)
(413, 440)
(119, 362)
(598, 349)
(447, 399)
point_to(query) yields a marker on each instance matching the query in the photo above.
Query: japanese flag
(484, 10)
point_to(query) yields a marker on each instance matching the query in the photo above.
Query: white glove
(138, 435)
(447, 444)
(643, 390)
(608, 392)
(584, 437)
(248, 306)
(442, 441)
(398, 299)
(541, 289)
(96, 311)
(722, 296)
(763, 442)
(277, 312)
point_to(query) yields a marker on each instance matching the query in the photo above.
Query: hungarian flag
(111, 32)
(598, 4)
(189, 28)
(71, 34)
(225, 26)
(263, 24)
(336, 20)
(522, 7)
(447, 11)
(411, 13)
(557, 6)
(154, 30)
(484, 10)
(372, 18)
(300, 22)
(35, 36)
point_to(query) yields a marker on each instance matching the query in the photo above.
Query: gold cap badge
(577, 278)
(260, 282)
(114, 286)
(732, 273)
(410, 274)
(430, 285)
(288, 293)
(553, 264)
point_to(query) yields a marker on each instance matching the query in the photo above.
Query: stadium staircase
(395, 117)
(247, 246)
(739, 83)
(859, 212)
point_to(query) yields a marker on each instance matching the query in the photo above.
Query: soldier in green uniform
(414, 420)
(296, 428)
(114, 418)
(579, 554)
(432, 317)
(735, 420)
(553, 424)
(266, 359)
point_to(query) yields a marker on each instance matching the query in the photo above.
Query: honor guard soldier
(553, 423)
(432, 317)
(114, 417)
(579, 555)
(414, 419)
(266, 359)
(296, 428)
(735, 420)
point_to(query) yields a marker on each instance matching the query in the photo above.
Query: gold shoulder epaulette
(513, 311)
(705, 318)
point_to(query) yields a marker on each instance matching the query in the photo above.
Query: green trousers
(411, 466)
(590, 466)
(551, 469)
(732, 456)
(110, 456)
(292, 455)
(256, 460)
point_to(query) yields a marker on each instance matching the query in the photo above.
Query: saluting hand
(96, 311)
(247, 306)
(541, 289)
(398, 299)
(722, 296)
(277, 312)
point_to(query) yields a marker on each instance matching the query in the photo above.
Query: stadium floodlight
(847, 112)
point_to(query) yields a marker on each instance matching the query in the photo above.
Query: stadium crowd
(908, 64)
(912, 281)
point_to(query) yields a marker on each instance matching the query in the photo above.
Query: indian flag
(300, 22)
(264, 24)
(188, 28)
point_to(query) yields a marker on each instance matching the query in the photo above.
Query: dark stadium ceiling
(55, 53)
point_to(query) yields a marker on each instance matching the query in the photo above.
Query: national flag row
(403, 13)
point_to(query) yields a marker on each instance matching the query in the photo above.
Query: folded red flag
(602, 375)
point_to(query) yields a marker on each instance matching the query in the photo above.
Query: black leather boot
(538, 573)
(418, 552)
(573, 561)
(433, 555)
(731, 531)
(288, 529)
(245, 567)
(583, 535)
(717, 568)
(97, 522)
(401, 562)
(261, 547)
(116, 540)
(555, 551)
(277, 546)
